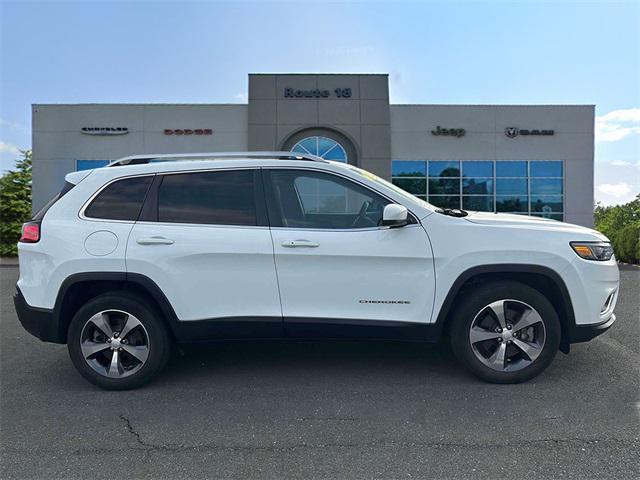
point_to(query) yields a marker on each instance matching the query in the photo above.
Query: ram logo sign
(513, 132)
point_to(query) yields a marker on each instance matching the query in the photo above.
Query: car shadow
(343, 360)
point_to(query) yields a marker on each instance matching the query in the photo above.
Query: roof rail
(144, 159)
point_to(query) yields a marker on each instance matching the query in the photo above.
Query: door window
(220, 198)
(308, 199)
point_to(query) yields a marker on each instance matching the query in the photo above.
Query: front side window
(308, 199)
(120, 200)
(218, 198)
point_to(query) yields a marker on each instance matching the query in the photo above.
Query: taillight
(30, 232)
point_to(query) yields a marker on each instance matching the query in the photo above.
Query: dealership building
(528, 159)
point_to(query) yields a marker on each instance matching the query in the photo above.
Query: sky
(471, 52)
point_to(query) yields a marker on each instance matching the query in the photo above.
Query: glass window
(408, 169)
(477, 169)
(511, 169)
(546, 169)
(220, 198)
(546, 186)
(444, 186)
(511, 186)
(444, 169)
(306, 199)
(445, 201)
(323, 147)
(477, 186)
(415, 186)
(546, 204)
(514, 186)
(482, 203)
(90, 164)
(512, 203)
(120, 200)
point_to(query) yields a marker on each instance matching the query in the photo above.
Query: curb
(9, 262)
(628, 266)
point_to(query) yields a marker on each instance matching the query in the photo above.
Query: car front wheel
(505, 332)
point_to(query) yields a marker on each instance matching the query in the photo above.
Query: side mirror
(395, 216)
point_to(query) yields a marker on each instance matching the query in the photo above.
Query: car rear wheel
(505, 332)
(118, 342)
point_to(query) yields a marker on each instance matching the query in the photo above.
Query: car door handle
(299, 244)
(154, 241)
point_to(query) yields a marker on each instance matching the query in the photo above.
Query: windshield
(376, 179)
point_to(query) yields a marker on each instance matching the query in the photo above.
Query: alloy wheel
(114, 343)
(507, 335)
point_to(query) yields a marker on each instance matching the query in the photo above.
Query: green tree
(621, 224)
(15, 203)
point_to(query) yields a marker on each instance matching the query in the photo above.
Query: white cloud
(617, 190)
(624, 163)
(618, 124)
(8, 148)
(242, 96)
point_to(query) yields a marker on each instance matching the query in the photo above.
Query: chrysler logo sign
(513, 132)
(103, 131)
(188, 131)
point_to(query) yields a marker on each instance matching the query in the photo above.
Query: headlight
(600, 251)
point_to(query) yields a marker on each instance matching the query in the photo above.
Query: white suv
(153, 250)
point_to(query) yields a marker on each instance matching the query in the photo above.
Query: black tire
(473, 301)
(155, 331)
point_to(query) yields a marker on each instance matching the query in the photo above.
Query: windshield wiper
(453, 212)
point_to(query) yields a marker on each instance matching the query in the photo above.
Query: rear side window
(220, 198)
(120, 200)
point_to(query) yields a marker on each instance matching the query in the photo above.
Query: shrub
(15, 203)
(621, 223)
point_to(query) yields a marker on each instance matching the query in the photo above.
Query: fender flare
(142, 281)
(508, 268)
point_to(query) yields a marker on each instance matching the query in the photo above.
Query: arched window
(323, 147)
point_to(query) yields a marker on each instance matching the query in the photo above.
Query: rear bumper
(39, 322)
(584, 333)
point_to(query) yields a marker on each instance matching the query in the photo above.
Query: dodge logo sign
(513, 132)
(188, 131)
(104, 130)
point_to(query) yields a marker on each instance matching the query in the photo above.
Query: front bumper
(584, 333)
(39, 322)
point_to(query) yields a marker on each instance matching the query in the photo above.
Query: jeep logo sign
(452, 132)
(513, 132)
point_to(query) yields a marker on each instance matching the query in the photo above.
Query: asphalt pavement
(323, 410)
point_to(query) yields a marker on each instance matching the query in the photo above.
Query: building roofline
(316, 73)
(246, 104)
(141, 104)
(492, 105)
